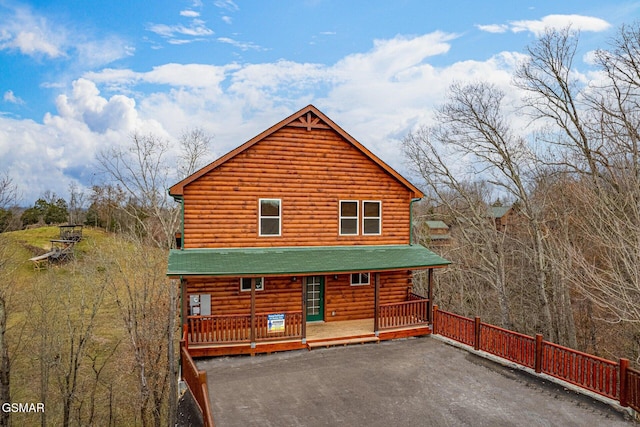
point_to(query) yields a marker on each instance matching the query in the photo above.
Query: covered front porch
(339, 296)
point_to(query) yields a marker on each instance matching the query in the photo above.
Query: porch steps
(330, 342)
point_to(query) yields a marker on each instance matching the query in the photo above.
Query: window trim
(260, 233)
(379, 218)
(261, 288)
(368, 282)
(357, 217)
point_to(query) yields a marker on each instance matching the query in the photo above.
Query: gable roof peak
(310, 118)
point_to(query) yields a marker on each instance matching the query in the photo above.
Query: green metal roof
(499, 211)
(299, 260)
(436, 224)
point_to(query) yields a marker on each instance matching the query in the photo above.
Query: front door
(315, 298)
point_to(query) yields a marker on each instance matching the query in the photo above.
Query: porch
(272, 332)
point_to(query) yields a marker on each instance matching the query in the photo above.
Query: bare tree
(80, 298)
(141, 291)
(8, 198)
(479, 254)
(143, 172)
(473, 124)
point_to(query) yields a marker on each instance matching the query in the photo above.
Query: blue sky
(76, 77)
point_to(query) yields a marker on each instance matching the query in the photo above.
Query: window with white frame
(358, 279)
(270, 217)
(245, 283)
(348, 217)
(371, 217)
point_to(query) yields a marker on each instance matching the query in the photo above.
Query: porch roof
(300, 260)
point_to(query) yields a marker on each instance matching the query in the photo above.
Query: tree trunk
(4, 365)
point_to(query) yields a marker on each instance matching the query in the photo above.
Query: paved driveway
(415, 382)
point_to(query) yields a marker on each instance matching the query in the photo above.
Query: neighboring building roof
(300, 260)
(499, 211)
(436, 225)
(311, 118)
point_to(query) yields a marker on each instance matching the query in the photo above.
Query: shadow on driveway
(414, 382)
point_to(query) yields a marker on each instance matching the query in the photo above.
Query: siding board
(310, 171)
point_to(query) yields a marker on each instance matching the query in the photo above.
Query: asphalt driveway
(414, 382)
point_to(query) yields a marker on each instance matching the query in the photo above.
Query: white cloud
(493, 28)
(377, 96)
(227, 5)
(538, 26)
(196, 29)
(179, 75)
(227, 20)
(189, 13)
(240, 45)
(10, 97)
(30, 34)
(577, 22)
(37, 36)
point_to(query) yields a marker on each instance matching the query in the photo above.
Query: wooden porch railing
(219, 329)
(197, 382)
(231, 329)
(405, 313)
(614, 380)
(292, 326)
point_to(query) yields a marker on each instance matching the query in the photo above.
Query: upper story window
(348, 217)
(270, 217)
(371, 217)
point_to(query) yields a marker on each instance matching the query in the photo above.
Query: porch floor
(341, 329)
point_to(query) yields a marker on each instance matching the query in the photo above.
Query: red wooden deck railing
(518, 348)
(229, 329)
(405, 313)
(589, 372)
(453, 326)
(632, 395)
(197, 382)
(219, 329)
(292, 326)
(614, 380)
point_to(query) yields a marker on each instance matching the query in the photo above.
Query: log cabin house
(298, 238)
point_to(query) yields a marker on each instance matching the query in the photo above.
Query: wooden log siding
(357, 302)
(280, 294)
(310, 171)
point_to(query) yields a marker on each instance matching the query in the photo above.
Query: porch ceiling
(300, 260)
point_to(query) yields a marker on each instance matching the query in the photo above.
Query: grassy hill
(70, 327)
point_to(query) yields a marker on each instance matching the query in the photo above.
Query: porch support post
(253, 314)
(376, 305)
(430, 295)
(303, 283)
